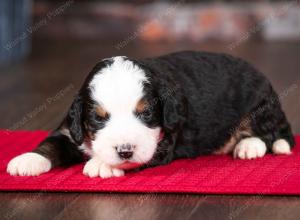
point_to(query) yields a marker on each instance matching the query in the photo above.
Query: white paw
(281, 146)
(107, 171)
(250, 148)
(28, 164)
(94, 167)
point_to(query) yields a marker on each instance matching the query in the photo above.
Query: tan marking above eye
(101, 111)
(141, 106)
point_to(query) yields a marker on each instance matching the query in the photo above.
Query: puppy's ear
(174, 114)
(174, 110)
(74, 120)
(171, 98)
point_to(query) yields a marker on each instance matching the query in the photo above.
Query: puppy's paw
(281, 146)
(250, 148)
(28, 164)
(94, 167)
(107, 171)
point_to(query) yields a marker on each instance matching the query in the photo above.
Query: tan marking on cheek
(101, 111)
(141, 106)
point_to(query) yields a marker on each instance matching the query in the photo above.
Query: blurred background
(48, 47)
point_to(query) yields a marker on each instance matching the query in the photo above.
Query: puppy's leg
(56, 150)
(28, 164)
(270, 124)
(95, 167)
(271, 130)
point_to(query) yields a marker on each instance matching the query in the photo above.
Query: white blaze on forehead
(118, 87)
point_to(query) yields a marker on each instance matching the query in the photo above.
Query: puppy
(148, 112)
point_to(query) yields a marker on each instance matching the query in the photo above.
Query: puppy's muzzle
(125, 151)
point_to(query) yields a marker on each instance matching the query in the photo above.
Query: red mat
(274, 175)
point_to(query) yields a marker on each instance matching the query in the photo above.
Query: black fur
(60, 150)
(198, 98)
(220, 91)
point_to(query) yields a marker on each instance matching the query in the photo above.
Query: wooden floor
(35, 93)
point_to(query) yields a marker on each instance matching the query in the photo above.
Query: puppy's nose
(125, 151)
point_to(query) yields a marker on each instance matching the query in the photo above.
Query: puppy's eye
(97, 122)
(99, 118)
(146, 115)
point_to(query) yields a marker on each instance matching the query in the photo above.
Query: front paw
(250, 148)
(28, 164)
(95, 167)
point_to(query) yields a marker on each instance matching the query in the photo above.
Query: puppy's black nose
(126, 154)
(125, 151)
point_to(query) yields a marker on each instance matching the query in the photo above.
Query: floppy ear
(174, 114)
(174, 105)
(74, 120)
(170, 97)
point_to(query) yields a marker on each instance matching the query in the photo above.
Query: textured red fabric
(275, 175)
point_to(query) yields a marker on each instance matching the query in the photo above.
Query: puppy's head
(119, 111)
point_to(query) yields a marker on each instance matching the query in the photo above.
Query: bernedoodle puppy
(138, 113)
